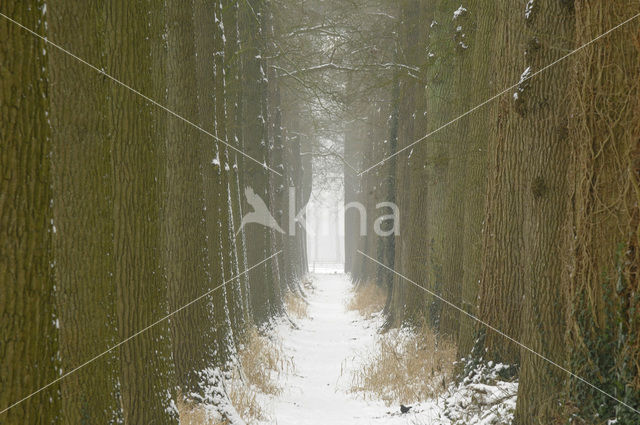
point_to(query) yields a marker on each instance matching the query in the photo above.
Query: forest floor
(329, 345)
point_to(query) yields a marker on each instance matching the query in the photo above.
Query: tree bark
(28, 345)
(501, 283)
(212, 163)
(411, 304)
(544, 131)
(138, 158)
(255, 144)
(603, 315)
(185, 213)
(82, 207)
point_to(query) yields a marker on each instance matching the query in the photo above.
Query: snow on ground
(482, 398)
(325, 350)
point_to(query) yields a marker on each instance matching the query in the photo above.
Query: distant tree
(256, 141)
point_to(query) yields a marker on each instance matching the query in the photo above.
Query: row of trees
(524, 212)
(115, 213)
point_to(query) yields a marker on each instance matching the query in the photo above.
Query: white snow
(324, 351)
(529, 9)
(461, 10)
(215, 399)
(526, 75)
(482, 398)
(328, 345)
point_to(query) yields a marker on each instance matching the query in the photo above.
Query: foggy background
(325, 226)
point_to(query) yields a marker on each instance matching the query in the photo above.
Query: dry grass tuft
(296, 306)
(245, 400)
(368, 298)
(195, 414)
(406, 367)
(263, 362)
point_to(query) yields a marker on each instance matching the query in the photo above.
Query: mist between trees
(114, 213)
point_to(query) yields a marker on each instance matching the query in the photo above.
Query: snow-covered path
(324, 351)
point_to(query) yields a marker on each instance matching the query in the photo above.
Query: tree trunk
(255, 144)
(409, 303)
(501, 283)
(82, 207)
(479, 83)
(28, 345)
(138, 158)
(233, 71)
(550, 32)
(603, 317)
(212, 167)
(184, 222)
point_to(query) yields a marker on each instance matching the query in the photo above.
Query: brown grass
(195, 414)
(244, 398)
(263, 361)
(406, 367)
(368, 298)
(296, 306)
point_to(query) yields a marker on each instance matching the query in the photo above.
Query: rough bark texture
(28, 345)
(114, 213)
(233, 93)
(501, 283)
(184, 215)
(603, 315)
(138, 157)
(255, 144)
(82, 206)
(410, 303)
(214, 179)
(447, 71)
(543, 129)
(478, 82)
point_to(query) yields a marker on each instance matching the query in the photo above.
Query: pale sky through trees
(325, 221)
